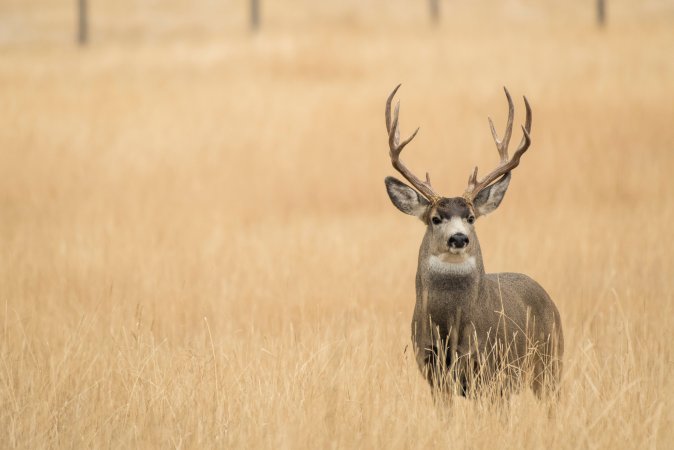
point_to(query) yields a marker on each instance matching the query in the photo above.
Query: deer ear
(405, 198)
(490, 197)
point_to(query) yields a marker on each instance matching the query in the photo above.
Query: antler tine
(388, 108)
(472, 179)
(526, 138)
(502, 144)
(506, 165)
(396, 147)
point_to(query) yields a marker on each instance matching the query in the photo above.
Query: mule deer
(472, 329)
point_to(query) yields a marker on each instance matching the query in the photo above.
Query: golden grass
(197, 250)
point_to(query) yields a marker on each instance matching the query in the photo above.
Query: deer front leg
(430, 350)
(423, 344)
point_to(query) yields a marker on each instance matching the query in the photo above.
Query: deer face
(450, 231)
(450, 228)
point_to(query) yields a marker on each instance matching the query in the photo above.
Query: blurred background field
(197, 250)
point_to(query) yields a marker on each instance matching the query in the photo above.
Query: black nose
(458, 240)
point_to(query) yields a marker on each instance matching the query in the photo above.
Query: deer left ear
(490, 197)
(405, 198)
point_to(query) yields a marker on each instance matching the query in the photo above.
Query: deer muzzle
(458, 241)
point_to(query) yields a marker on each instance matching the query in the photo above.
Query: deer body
(474, 314)
(471, 328)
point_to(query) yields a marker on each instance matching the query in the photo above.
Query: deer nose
(458, 240)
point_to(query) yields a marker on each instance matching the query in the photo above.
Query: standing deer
(471, 329)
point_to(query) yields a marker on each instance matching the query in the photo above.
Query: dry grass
(196, 247)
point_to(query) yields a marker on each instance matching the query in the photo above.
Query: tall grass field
(197, 249)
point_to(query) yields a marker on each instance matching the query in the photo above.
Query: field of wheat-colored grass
(197, 249)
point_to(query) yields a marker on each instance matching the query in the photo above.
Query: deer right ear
(405, 198)
(490, 197)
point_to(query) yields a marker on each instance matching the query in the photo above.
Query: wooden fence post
(601, 13)
(254, 14)
(82, 22)
(435, 10)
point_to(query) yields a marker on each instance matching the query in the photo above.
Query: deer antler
(396, 147)
(505, 165)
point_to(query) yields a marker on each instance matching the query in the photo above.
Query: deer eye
(471, 219)
(436, 220)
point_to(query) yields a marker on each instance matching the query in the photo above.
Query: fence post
(82, 23)
(435, 10)
(601, 13)
(254, 14)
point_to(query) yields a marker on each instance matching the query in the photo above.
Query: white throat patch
(443, 265)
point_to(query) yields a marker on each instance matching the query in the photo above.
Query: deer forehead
(446, 208)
